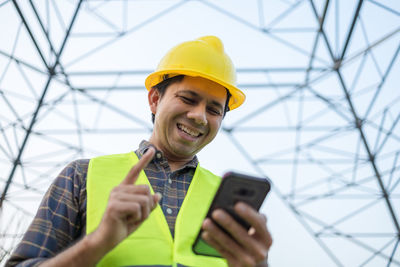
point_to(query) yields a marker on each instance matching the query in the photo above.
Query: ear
(154, 97)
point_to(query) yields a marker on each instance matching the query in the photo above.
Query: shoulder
(75, 172)
(69, 187)
(76, 167)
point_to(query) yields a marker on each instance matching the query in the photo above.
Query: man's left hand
(244, 248)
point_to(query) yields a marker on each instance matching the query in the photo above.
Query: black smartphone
(234, 187)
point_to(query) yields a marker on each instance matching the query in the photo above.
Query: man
(78, 225)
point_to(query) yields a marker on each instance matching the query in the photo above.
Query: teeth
(188, 131)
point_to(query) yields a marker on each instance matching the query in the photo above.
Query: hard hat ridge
(214, 42)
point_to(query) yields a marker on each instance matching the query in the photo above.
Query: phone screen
(234, 187)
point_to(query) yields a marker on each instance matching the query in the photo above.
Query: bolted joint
(320, 21)
(52, 71)
(228, 130)
(359, 123)
(265, 30)
(372, 157)
(17, 162)
(337, 64)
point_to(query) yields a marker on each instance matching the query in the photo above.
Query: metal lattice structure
(321, 119)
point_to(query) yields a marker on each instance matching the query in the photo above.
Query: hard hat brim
(237, 99)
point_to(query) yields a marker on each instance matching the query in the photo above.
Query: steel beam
(51, 69)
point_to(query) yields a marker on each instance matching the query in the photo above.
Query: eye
(187, 100)
(214, 111)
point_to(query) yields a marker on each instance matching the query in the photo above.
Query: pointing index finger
(133, 174)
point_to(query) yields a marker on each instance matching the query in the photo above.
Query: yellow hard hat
(203, 57)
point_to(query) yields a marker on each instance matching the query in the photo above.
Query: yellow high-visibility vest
(152, 243)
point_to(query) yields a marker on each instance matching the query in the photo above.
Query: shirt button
(169, 211)
(169, 181)
(158, 155)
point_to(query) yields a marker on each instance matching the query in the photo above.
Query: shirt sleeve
(60, 219)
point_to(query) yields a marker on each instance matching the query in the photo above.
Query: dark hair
(162, 87)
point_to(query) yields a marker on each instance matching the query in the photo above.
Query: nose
(198, 114)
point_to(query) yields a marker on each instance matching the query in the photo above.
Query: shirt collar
(144, 145)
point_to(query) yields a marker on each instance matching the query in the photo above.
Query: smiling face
(187, 117)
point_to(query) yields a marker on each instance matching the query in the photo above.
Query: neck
(175, 165)
(175, 162)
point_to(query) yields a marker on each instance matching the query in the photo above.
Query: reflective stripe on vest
(151, 244)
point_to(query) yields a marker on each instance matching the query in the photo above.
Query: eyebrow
(215, 103)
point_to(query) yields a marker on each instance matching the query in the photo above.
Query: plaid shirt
(61, 218)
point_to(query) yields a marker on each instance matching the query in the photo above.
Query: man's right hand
(128, 206)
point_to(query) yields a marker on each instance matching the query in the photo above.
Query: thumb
(156, 198)
(138, 167)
